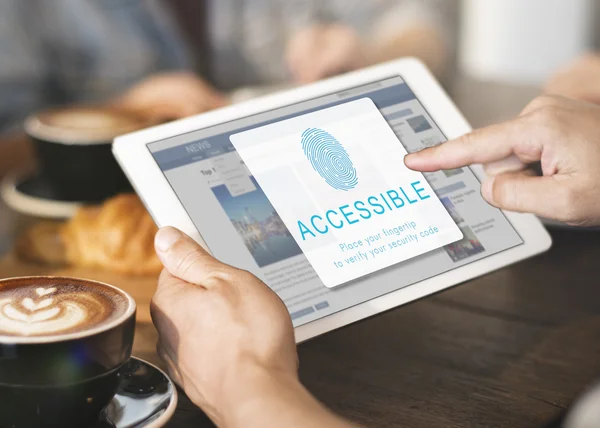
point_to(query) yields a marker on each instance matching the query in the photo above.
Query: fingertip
(422, 161)
(165, 238)
(411, 161)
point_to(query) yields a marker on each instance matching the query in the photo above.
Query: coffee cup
(63, 342)
(73, 148)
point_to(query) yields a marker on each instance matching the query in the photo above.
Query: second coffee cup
(73, 147)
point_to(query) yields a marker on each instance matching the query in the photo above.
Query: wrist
(263, 397)
(248, 387)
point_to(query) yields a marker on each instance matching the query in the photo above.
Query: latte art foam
(51, 309)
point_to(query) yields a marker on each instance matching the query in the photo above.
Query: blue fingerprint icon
(329, 158)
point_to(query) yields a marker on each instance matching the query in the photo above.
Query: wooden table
(511, 349)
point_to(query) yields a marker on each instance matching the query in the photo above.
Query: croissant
(117, 236)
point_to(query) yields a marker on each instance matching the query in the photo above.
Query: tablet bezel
(163, 204)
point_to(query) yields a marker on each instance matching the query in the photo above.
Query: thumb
(524, 192)
(183, 258)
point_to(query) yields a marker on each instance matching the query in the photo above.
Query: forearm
(264, 400)
(423, 42)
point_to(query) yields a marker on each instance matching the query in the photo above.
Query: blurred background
(78, 73)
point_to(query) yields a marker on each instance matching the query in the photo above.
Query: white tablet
(307, 189)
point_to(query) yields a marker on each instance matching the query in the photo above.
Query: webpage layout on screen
(337, 179)
(264, 208)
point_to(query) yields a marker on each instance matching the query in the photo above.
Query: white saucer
(29, 194)
(146, 398)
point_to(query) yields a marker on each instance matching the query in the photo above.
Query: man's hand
(564, 135)
(171, 96)
(228, 340)
(581, 80)
(324, 50)
(217, 323)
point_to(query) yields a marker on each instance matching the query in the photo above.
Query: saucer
(32, 195)
(146, 398)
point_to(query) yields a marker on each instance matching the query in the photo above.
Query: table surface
(510, 349)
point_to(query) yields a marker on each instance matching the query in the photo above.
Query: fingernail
(165, 238)
(486, 189)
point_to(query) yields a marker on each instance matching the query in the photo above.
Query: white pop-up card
(338, 181)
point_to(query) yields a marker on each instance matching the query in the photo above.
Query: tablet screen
(241, 226)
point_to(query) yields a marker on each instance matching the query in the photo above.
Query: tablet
(307, 189)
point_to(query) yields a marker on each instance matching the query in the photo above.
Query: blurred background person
(171, 59)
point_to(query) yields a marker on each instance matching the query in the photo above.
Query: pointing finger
(485, 145)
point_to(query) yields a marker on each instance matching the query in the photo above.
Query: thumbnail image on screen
(465, 248)
(262, 230)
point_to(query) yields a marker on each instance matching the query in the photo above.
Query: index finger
(518, 137)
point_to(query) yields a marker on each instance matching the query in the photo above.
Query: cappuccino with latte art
(63, 342)
(57, 308)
